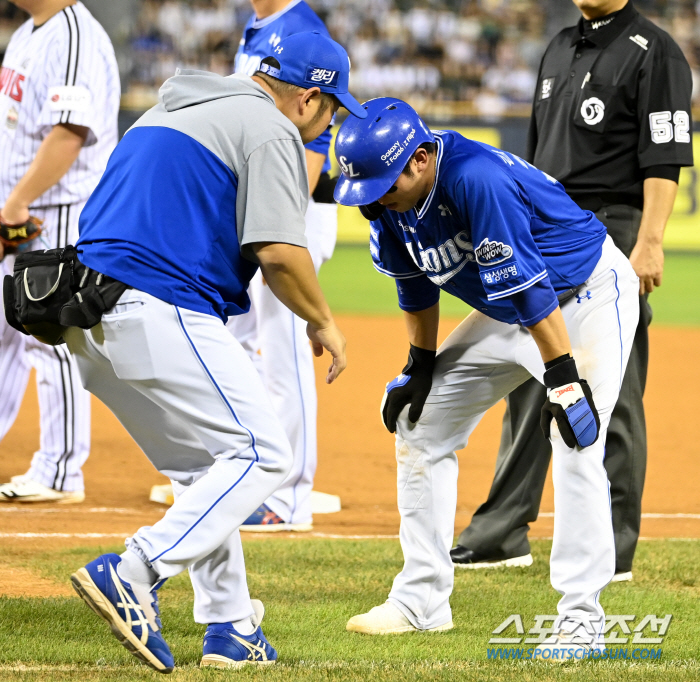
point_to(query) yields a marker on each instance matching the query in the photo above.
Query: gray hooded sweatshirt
(214, 166)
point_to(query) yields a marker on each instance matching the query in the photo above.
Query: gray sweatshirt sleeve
(273, 191)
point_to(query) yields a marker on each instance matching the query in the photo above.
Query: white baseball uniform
(274, 337)
(63, 71)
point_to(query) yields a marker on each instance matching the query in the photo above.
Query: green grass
(312, 586)
(352, 285)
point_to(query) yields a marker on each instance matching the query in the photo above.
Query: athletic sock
(132, 569)
(244, 627)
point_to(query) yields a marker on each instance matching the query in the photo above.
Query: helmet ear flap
(372, 211)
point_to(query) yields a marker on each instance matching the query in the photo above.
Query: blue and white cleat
(135, 621)
(226, 648)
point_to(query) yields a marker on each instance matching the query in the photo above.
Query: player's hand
(17, 227)
(332, 339)
(570, 402)
(411, 387)
(648, 262)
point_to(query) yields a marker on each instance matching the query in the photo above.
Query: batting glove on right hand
(411, 387)
(570, 402)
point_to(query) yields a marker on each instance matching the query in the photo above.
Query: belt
(567, 295)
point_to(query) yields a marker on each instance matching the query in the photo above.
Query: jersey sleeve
(508, 259)
(272, 194)
(391, 257)
(77, 82)
(664, 93)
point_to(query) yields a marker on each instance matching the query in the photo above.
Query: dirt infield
(356, 454)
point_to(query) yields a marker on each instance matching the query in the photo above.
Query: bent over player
(59, 100)
(450, 213)
(207, 186)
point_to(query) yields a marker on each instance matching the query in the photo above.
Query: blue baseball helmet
(372, 151)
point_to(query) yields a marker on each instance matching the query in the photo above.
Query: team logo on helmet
(490, 253)
(592, 111)
(346, 167)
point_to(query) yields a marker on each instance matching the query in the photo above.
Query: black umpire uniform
(612, 108)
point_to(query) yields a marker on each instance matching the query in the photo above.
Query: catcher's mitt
(13, 236)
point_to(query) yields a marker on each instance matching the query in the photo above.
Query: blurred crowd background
(480, 55)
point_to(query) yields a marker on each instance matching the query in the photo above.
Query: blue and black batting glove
(411, 387)
(570, 402)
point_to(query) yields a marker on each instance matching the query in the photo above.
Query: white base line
(27, 508)
(64, 535)
(550, 515)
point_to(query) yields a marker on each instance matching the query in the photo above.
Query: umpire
(610, 121)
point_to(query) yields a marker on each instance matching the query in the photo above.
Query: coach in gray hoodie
(205, 188)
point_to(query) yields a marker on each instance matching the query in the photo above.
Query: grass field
(352, 285)
(312, 586)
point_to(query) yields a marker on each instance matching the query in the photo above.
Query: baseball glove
(13, 236)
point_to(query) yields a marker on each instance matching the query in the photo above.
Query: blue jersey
(261, 36)
(495, 232)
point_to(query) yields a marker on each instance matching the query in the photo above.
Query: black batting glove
(570, 402)
(411, 387)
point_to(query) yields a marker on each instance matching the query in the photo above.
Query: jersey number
(662, 130)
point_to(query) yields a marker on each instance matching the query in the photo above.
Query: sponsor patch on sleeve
(490, 253)
(69, 98)
(327, 77)
(500, 274)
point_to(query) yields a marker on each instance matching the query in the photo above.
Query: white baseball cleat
(24, 489)
(387, 620)
(622, 577)
(565, 646)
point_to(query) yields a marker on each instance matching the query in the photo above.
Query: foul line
(94, 510)
(644, 516)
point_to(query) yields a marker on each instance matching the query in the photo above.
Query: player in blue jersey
(274, 337)
(206, 187)
(553, 298)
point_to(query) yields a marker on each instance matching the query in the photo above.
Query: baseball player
(275, 337)
(205, 188)
(59, 100)
(450, 213)
(611, 121)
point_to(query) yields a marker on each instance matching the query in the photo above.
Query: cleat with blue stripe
(224, 647)
(134, 622)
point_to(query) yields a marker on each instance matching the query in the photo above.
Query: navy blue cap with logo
(310, 60)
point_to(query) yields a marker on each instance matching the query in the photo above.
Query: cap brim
(352, 105)
(349, 192)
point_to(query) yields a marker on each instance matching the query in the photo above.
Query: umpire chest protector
(612, 100)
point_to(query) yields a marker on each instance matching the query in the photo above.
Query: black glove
(372, 211)
(570, 402)
(411, 387)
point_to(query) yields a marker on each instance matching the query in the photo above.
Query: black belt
(567, 295)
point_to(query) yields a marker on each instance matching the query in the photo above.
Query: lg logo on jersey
(592, 111)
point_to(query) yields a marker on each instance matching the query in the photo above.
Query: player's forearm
(314, 166)
(551, 336)
(659, 195)
(289, 271)
(422, 327)
(56, 155)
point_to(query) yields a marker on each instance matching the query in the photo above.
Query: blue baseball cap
(373, 152)
(311, 60)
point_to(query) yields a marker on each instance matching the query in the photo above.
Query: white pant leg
(286, 365)
(475, 368)
(14, 364)
(188, 365)
(601, 329)
(64, 405)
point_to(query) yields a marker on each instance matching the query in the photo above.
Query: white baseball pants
(276, 340)
(478, 364)
(64, 405)
(188, 394)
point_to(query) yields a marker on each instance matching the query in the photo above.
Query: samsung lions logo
(314, 74)
(490, 253)
(592, 111)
